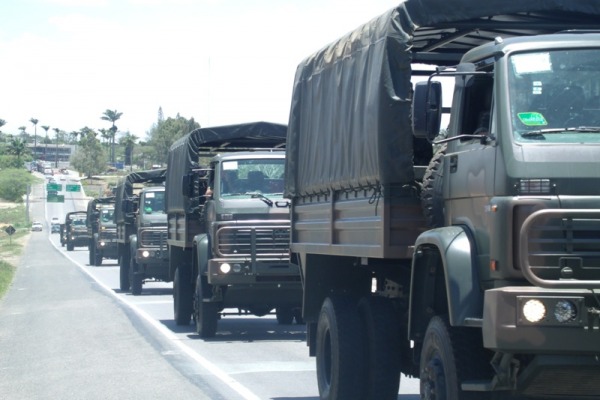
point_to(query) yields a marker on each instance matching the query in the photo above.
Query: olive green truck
(141, 229)
(469, 259)
(229, 226)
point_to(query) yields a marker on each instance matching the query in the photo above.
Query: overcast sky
(64, 62)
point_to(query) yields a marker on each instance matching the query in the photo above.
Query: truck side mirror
(427, 109)
(129, 207)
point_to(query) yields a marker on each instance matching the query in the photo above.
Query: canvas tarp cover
(125, 188)
(184, 153)
(350, 117)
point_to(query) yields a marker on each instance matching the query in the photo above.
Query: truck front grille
(562, 244)
(264, 241)
(153, 238)
(108, 234)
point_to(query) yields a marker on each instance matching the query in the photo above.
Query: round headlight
(102, 243)
(237, 267)
(534, 310)
(565, 311)
(145, 253)
(225, 268)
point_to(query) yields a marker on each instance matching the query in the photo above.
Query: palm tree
(112, 116)
(18, 148)
(34, 121)
(44, 127)
(56, 156)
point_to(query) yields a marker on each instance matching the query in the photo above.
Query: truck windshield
(555, 96)
(247, 176)
(154, 203)
(107, 215)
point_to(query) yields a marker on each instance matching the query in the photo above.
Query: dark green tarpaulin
(184, 153)
(350, 119)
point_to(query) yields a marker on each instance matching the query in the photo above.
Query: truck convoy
(75, 233)
(141, 229)
(101, 230)
(470, 260)
(228, 225)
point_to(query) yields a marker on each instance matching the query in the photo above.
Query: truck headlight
(565, 311)
(534, 310)
(225, 268)
(145, 254)
(237, 268)
(102, 244)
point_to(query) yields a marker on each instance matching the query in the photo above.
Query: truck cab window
(477, 106)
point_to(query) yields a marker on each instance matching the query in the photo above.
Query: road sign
(73, 188)
(55, 198)
(54, 186)
(10, 230)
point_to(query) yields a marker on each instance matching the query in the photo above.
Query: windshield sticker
(532, 119)
(532, 63)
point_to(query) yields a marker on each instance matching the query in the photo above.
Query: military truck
(142, 229)
(228, 226)
(75, 231)
(101, 230)
(470, 258)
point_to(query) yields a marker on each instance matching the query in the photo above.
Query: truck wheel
(298, 316)
(432, 194)
(285, 315)
(340, 355)
(91, 254)
(449, 356)
(182, 296)
(124, 272)
(97, 257)
(382, 332)
(135, 277)
(70, 246)
(206, 314)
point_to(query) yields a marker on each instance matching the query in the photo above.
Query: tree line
(98, 148)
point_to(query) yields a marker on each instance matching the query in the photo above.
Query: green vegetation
(11, 246)
(13, 184)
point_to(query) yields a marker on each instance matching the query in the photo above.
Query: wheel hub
(433, 381)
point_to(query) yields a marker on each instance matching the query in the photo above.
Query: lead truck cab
(466, 254)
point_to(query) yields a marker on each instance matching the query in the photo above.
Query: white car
(37, 226)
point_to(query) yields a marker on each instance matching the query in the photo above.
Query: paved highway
(103, 343)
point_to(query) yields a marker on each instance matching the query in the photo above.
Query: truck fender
(202, 246)
(444, 279)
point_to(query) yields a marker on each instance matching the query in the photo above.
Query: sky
(221, 62)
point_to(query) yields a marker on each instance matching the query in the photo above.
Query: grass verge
(11, 246)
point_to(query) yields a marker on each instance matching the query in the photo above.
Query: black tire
(206, 314)
(182, 296)
(97, 257)
(124, 283)
(285, 315)
(91, 252)
(432, 193)
(298, 316)
(450, 356)
(382, 333)
(339, 349)
(70, 247)
(135, 277)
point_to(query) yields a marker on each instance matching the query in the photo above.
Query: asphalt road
(66, 331)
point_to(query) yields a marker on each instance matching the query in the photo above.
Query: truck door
(469, 163)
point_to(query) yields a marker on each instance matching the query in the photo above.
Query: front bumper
(506, 329)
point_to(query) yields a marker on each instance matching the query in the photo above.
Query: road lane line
(216, 371)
